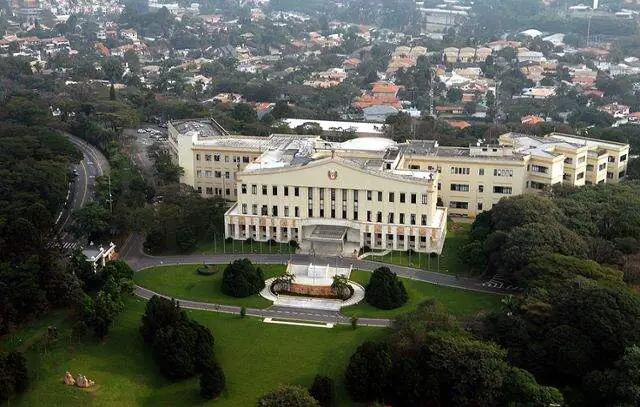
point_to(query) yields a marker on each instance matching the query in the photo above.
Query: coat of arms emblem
(332, 174)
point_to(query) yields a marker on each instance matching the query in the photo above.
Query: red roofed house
(531, 119)
(384, 90)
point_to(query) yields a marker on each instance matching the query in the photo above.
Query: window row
(335, 193)
(227, 158)
(212, 174)
(401, 219)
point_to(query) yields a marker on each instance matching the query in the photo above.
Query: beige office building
(372, 191)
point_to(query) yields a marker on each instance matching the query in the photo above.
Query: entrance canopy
(327, 233)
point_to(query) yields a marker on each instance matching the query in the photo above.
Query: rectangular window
(217, 174)
(226, 174)
(414, 198)
(216, 157)
(344, 214)
(286, 211)
(423, 220)
(254, 189)
(208, 173)
(379, 217)
(621, 174)
(245, 159)
(609, 175)
(425, 199)
(296, 191)
(580, 175)
(402, 197)
(401, 219)
(199, 173)
(537, 185)
(460, 187)
(296, 211)
(197, 157)
(480, 171)
(244, 209)
(623, 158)
(611, 159)
(568, 160)
(274, 190)
(199, 190)
(286, 191)
(412, 219)
(226, 158)
(368, 195)
(502, 190)
(590, 167)
(479, 206)
(379, 196)
(539, 168)
(460, 170)
(254, 209)
(414, 167)
(207, 157)
(391, 196)
(368, 216)
(332, 194)
(458, 205)
(480, 188)
(602, 166)
(355, 195)
(243, 187)
(355, 215)
(264, 211)
(333, 213)
(264, 190)
(390, 217)
(502, 172)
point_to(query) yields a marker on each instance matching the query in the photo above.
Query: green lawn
(220, 246)
(256, 357)
(458, 302)
(449, 261)
(184, 282)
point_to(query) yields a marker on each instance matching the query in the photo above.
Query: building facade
(467, 180)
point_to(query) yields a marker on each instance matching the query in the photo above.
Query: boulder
(68, 379)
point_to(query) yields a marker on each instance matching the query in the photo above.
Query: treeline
(574, 251)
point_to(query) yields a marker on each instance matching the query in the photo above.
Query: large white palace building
(372, 191)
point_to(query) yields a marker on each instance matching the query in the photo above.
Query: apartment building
(468, 180)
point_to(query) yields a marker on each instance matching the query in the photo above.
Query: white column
(278, 233)
(226, 229)
(236, 232)
(383, 241)
(406, 240)
(395, 238)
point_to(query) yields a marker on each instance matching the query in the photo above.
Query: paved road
(137, 259)
(92, 165)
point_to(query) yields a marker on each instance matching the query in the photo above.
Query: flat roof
(330, 125)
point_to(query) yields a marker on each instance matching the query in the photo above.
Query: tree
(242, 112)
(112, 69)
(368, 372)
(91, 221)
(14, 378)
(385, 290)
(398, 126)
(340, 286)
(159, 312)
(454, 95)
(212, 381)
(242, 279)
(322, 390)
(106, 307)
(290, 396)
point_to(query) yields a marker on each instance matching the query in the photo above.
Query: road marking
(86, 183)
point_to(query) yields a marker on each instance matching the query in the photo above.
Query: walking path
(132, 252)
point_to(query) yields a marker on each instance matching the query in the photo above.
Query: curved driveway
(132, 252)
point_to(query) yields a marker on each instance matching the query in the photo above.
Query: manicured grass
(255, 356)
(458, 302)
(220, 246)
(449, 261)
(183, 281)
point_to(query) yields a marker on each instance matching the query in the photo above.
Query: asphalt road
(92, 165)
(132, 252)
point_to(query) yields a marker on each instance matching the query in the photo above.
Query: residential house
(467, 55)
(539, 92)
(129, 34)
(378, 113)
(482, 54)
(450, 55)
(531, 119)
(526, 55)
(616, 110)
(384, 90)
